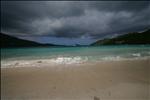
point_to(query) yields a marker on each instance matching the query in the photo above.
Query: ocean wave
(65, 60)
(110, 58)
(136, 54)
(36, 63)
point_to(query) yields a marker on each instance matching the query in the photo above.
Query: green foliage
(10, 41)
(130, 38)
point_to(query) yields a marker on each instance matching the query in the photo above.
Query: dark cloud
(131, 6)
(74, 19)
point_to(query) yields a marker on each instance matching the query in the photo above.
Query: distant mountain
(129, 38)
(10, 41)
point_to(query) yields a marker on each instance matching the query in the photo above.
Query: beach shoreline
(63, 61)
(107, 80)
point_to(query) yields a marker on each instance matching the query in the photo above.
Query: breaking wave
(66, 60)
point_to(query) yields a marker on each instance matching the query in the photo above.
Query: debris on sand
(16, 63)
(39, 61)
(96, 98)
(54, 87)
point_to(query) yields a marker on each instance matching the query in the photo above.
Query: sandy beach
(108, 80)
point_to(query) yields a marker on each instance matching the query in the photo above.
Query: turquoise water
(84, 53)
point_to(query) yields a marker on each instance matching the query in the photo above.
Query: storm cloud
(74, 19)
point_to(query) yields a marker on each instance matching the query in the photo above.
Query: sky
(73, 22)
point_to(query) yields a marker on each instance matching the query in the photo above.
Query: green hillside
(10, 41)
(129, 38)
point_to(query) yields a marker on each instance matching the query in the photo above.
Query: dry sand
(111, 80)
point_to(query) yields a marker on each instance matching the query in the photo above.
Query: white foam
(36, 63)
(67, 60)
(136, 54)
(62, 60)
(112, 58)
(16, 63)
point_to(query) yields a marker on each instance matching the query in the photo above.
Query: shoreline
(61, 61)
(113, 80)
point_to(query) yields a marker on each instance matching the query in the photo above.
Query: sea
(69, 55)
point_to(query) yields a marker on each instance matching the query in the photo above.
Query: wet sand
(109, 80)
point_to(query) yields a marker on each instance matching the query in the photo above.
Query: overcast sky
(65, 22)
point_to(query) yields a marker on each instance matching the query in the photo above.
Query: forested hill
(10, 41)
(129, 38)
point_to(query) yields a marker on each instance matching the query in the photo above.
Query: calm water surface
(82, 53)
